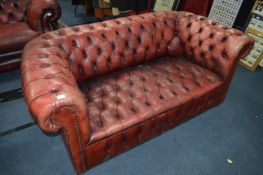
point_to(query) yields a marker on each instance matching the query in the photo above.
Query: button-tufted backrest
(100, 48)
(105, 47)
(210, 44)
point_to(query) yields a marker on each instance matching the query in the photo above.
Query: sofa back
(105, 47)
(101, 48)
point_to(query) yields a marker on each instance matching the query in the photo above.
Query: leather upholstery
(20, 22)
(210, 44)
(112, 85)
(15, 35)
(42, 13)
(12, 11)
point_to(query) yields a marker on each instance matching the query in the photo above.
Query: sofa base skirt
(109, 147)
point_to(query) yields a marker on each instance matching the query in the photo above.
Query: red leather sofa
(112, 85)
(20, 22)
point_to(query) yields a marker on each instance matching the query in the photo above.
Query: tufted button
(49, 76)
(94, 66)
(53, 91)
(101, 106)
(45, 45)
(74, 43)
(158, 84)
(99, 51)
(76, 29)
(131, 95)
(109, 62)
(224, 39)
(202, 55)
(186, 88)
(117, 88)
(161, 97)
(134, 110)
(211, 47)
(174, 93)
(118, 101)
(189, 38)
(200, 43)
(188, 25)
(91, 27)
(126, 44)
(89, 39)
(113, 46)
(213, 23)
(170, 80)
(142, 78)
(139, 40)
(131, 83)
(117, 116)
(45, 65)
(147, 103)
(103, 35)
(84, 54)
(224, 54)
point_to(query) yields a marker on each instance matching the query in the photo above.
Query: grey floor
(232, 131)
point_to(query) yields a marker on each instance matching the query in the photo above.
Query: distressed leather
(110, 86)
(12, 11)
(20, 22)
(15, 35)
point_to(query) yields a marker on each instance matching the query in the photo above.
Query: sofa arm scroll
(42, 14)
(50, 89)
(212, 45)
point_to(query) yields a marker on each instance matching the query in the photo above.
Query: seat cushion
(14, 36)
(120, 100)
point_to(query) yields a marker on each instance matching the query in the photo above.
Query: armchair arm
(50, 90)
(212, 45)
(41, 14)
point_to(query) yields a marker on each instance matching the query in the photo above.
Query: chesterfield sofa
(112, 85)
(20, 22)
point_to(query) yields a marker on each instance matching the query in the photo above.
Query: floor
(227, 139)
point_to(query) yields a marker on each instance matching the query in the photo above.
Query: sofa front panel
(109, 147)
(105, 47)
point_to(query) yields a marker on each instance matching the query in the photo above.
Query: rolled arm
(50, 89)
(42, 14)
(212, 45)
